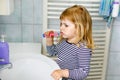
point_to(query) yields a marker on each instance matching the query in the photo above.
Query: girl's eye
(62, 24)
(66, 25)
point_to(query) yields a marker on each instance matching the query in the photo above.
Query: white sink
(29, 67)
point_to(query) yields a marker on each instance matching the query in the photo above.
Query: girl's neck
(77, 43)
(73, 41)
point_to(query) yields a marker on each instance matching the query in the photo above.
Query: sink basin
(29, 67)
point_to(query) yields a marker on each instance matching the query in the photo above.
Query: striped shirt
(75, 59)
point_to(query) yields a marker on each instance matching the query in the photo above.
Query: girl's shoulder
(83, 46)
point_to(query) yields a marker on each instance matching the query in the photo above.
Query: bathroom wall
(113, 71)
(25, 25)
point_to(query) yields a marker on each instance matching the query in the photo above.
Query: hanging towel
(105, 10)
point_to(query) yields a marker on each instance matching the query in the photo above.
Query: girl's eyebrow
(63, 22)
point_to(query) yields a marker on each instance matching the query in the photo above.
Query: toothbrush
(52, 34)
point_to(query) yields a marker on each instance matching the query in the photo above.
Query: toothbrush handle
(52, 34)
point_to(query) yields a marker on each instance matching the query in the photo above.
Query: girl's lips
(61, 33)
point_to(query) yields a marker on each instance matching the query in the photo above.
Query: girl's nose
(61, 27)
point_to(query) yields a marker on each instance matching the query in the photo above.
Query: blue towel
(105, 10)
(105, 7)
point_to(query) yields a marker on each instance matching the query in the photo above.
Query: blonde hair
(81, 18)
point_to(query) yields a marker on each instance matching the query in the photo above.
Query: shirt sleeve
(52, 50)
(81, 73)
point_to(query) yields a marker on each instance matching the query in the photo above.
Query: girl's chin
(64, 36)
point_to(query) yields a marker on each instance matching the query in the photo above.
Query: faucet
(7, 66)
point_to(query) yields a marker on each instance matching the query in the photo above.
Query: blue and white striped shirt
(75, 59)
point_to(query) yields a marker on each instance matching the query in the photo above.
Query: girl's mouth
(61, 33)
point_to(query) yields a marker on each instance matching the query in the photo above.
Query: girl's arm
(52, 50)
(83, 57)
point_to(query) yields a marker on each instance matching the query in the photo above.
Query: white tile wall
(113, 72)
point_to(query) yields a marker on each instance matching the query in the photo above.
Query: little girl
(75, 46)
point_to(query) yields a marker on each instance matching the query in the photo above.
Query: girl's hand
(49, 38)
(49, 34)
(58, 74)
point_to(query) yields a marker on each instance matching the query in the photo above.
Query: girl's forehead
(65, 21)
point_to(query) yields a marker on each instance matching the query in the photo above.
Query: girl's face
(68, 30)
